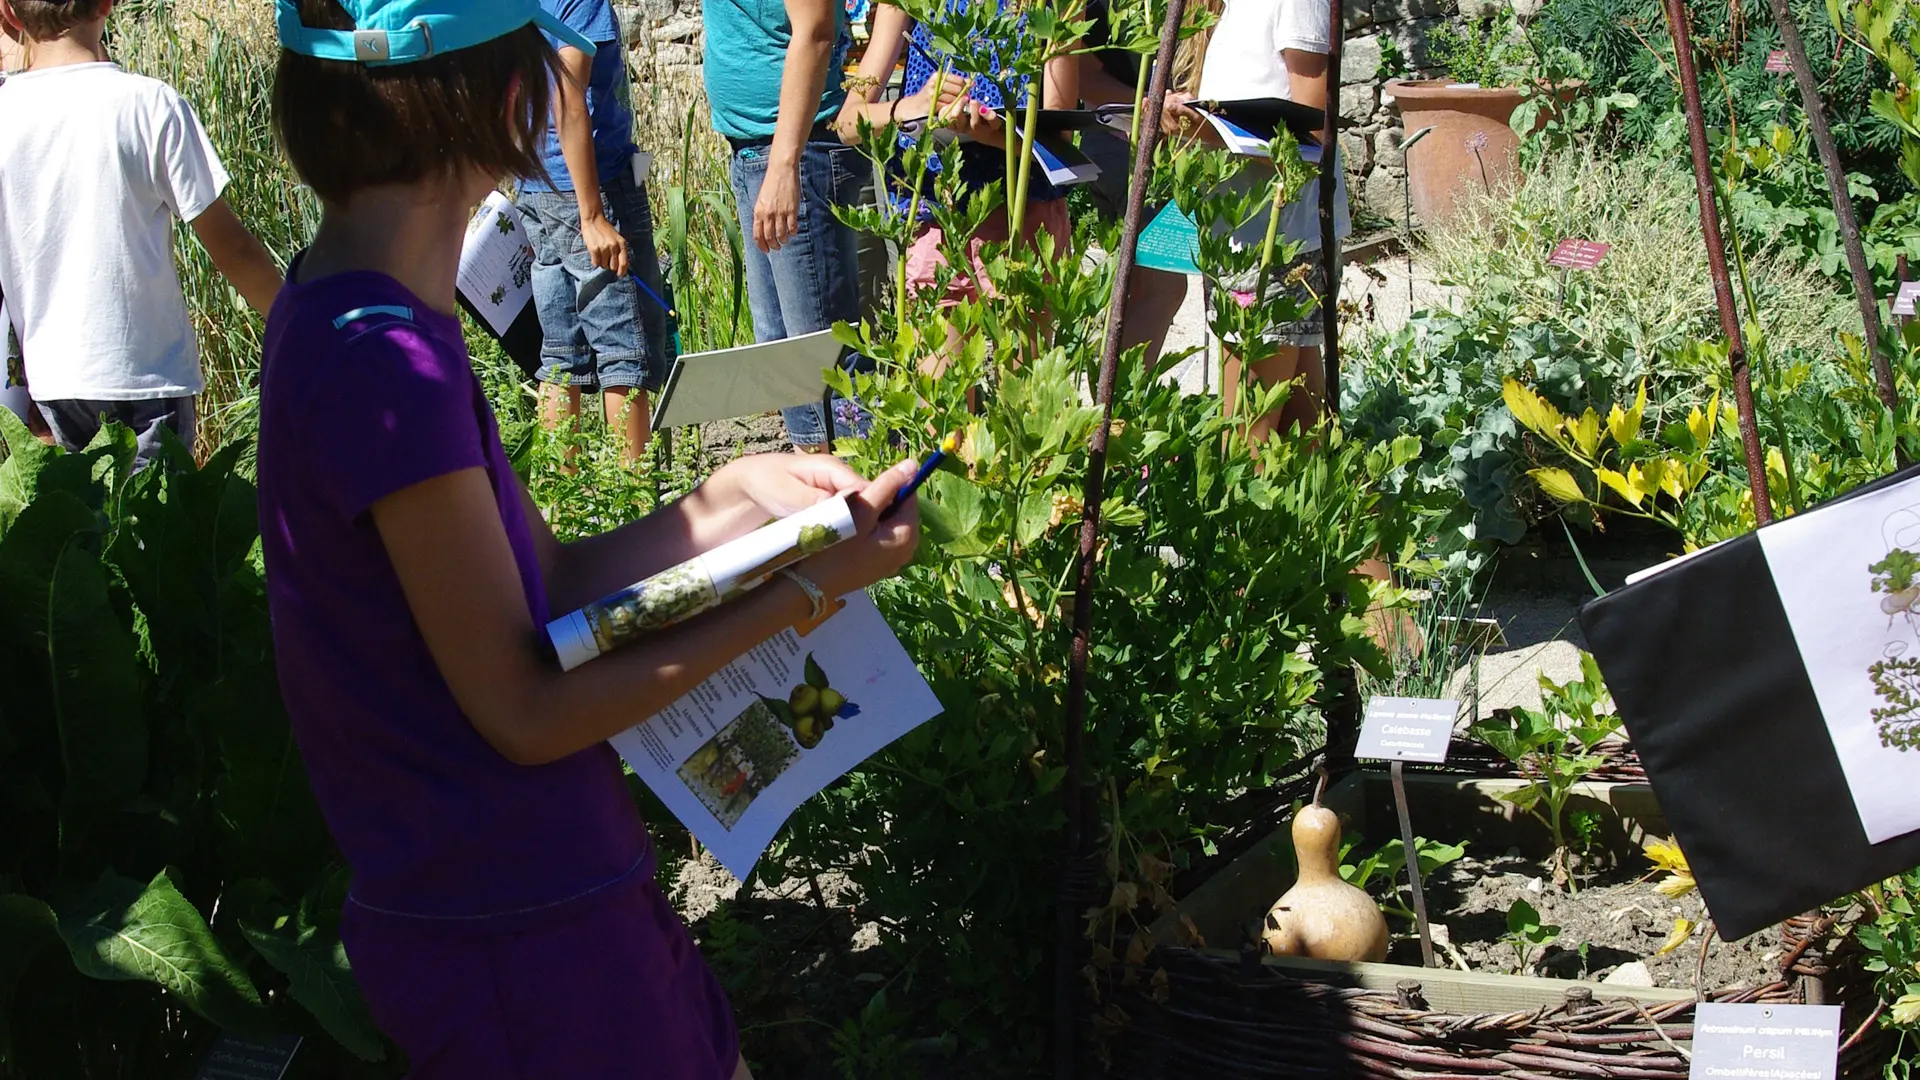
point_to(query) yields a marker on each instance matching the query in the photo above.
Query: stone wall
(1385, 39)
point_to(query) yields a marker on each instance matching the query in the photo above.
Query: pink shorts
(924, 258)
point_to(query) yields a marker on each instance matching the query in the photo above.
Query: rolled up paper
(700, 584)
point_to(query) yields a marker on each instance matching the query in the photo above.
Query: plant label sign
(1777, 62)
(1765, 1042)
(1574, 253)
(234, 1058)
(1407, 729)
(1904, 300)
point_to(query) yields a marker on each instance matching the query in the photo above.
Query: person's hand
(605, 244)
(783, 484)
(879, 549)
(776, 213)
(1176, 113)
(981, 124)
(939, 110)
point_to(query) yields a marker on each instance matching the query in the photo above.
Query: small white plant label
(1766, 1042)
(234, 1058)
(1903, 301)
(1407, 729)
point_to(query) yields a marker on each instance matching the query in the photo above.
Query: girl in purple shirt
(503, 920)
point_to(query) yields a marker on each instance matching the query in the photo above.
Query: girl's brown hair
(1191, 59)
(44, 20)
(347, 127)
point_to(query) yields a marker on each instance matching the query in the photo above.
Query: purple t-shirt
(366, 391)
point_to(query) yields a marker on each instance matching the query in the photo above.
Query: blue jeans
(813, 281)
(620, 338)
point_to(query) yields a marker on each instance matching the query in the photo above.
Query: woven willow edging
(1240, 1018)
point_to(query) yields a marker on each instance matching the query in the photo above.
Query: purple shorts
(612, 988)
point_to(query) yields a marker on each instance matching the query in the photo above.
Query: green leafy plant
(1383, 871)
(1489, 51)
(164, 867)
(1892, 944)
(1554, 748)
(1526, 935)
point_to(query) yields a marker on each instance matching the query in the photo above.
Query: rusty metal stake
(1066, 1028)
(1330, 166)
(1717, 259)
(1842, 202)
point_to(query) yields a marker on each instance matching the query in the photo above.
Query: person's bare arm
(239, 256)
(885, 38)
(1061, 85)
(776, 214)
(605, 245)
(457, 570)
(1306, 77)
(1097, 87)
(737, 499)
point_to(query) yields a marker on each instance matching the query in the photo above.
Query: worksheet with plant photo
(496, 264)
(1848, 577)
(735, 757)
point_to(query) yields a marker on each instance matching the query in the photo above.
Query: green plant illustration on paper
(499, 295)
(665, 598)
(504, 224)
(1895, 676)
(811, 707)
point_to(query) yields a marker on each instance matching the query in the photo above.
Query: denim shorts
(813, 281)
(620, 338)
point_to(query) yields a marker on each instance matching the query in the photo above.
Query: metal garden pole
(1842, 202)
(1330, 167)
(1717, 259)
(1069, 906)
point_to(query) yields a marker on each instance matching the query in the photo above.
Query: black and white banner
(1771, 685)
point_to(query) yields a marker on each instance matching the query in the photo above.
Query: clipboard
(1710, 671)
(747, 381)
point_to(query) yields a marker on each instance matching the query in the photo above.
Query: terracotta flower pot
(1471, 144)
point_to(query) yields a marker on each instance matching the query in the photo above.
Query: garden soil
(1618, 916)
(725, 440)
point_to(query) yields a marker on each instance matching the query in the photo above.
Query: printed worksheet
(496, 264)
(1848, 576)
(735, 757)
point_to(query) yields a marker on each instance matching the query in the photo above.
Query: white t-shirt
(95, 165)
(1244, 60)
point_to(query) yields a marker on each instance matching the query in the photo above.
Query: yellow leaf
(1558, 484)
(1618, 425)
(1533, 411)
(1617, 483)
(1586, 432)
(1666, 855)
(1700, 426)
(1682, 930)
(1637, 486)
(1906, 1010)
(1656, 475)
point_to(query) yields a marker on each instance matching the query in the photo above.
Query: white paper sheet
(1860, 647)
(496, 264)
(732, 767)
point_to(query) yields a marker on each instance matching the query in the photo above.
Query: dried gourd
(1322, 916)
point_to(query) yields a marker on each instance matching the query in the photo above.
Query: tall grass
(221, 56)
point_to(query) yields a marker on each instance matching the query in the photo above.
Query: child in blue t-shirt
(590, 213)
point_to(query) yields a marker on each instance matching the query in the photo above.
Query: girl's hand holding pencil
(882, 545)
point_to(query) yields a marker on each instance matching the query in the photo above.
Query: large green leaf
(26, 926)
(321, 980)
(271, 827)
(70, 650)
(119, 930)
(20, 473)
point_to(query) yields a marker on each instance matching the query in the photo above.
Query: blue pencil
(926, 469)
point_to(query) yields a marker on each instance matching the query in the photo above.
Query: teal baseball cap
(403, 31)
